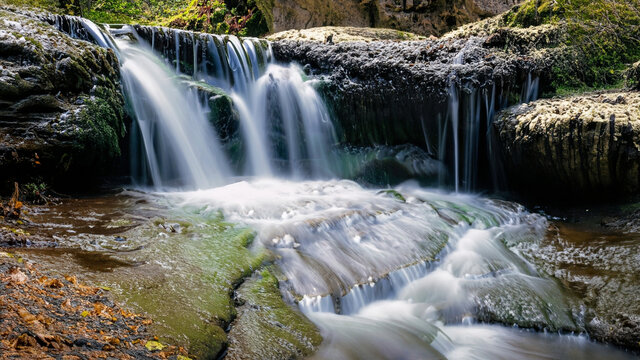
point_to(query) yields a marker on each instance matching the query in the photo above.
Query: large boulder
(418, 16)
(586, 144)
(61, 109)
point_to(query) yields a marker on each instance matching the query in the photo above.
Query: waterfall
(285, 128)
(171, 79)
(181, 146)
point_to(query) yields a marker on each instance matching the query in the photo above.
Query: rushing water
(284, 128)
(404, 273)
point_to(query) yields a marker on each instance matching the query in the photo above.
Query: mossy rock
(64, 121)
(266, 326)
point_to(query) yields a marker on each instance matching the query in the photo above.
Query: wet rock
(575, 145)
(223, 116)
(267, 327)
(61, 113)
(392, 93)
(600, 267)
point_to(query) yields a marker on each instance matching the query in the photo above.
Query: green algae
(266, 326)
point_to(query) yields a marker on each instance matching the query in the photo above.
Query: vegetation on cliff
(604, 33)
(239, 17)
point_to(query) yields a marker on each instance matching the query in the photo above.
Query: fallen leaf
(154, 345)
(18, 277)
(26, 316)
(54, 283)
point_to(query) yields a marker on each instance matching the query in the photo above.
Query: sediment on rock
(576, 145)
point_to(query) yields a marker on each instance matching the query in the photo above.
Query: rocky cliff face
(418, 16)
(61, 110)
(576, 145)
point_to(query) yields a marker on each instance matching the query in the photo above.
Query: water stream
(402, 273)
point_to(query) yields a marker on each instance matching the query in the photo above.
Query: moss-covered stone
(266, 326)
(62, 114)
(632, 76)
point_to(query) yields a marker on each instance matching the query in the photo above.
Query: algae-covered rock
(266, 326)
(588, 144)
(61, 109)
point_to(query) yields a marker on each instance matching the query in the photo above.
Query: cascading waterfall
(285, 129)
(404, 273)
(469, 149)
(181, 148)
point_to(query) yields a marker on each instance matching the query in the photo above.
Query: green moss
(266, 8)
(255, 26)
(267, 327)
(99, 124)
(605, 35)
(190, 297)
(533, 13)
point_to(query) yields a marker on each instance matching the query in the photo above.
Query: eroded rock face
(386, 92)
(576, 145)
(61, 110)
(419, 16)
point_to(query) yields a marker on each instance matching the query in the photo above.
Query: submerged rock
(575, 145)
(61, 110)
(600, 267)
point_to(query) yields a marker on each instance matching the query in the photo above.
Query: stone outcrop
(576, 145)
(61, 110)
(386, 92)
(419, 16)
(336, 34)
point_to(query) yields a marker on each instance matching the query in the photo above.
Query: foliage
(214, 16)
(49, 5)
(605, 34)
(243, 17)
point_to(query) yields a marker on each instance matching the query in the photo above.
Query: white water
(180, 146)
(285, 129)
(346, 251)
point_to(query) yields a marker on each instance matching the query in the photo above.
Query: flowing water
(403, 273)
